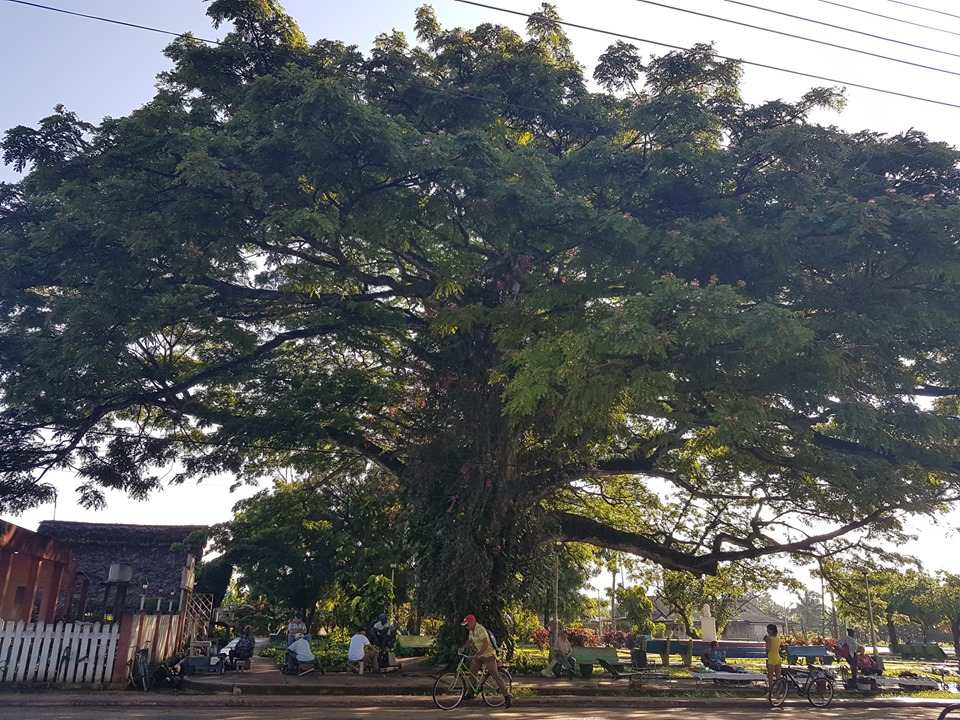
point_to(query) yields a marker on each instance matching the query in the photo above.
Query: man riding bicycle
(484, 655)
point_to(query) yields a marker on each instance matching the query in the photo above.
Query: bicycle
(140, 676)
(451, 687)
(949, 711)
(818, 686)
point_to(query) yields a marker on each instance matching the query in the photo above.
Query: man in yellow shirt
(484, 655)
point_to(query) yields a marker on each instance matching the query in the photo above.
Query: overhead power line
(648, 41)
(805, 38)
(889, 17)
(112, 21)
(843, 28)
(925, 8)
(752, 63)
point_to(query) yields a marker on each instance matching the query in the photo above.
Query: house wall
(37, 576)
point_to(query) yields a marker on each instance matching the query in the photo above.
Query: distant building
(123, 563)
(750, 622)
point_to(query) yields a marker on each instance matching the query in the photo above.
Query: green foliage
(637, 607)
(726, 592)
(282, 546)
(375, 597)
(213, 578)
(524, 623)
(659, 319)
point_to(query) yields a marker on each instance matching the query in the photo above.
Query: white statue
(708, 626)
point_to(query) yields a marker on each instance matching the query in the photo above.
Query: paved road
(798, 712)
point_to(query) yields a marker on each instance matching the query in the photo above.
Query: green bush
(431, 626)
(528, 661)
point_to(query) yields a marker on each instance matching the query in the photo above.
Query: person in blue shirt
(716, 659)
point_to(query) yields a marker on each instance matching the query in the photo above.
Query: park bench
(605, 657)
(923, 651)
(893, 682)
(689, 649)
(809, 652)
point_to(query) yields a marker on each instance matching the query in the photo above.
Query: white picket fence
(70, 653)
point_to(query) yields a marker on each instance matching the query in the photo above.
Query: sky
(97, 70)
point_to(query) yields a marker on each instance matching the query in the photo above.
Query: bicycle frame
(793, 677)
(474, 680)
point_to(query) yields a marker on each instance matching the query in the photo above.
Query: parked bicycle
(813, 682)
(948, 712)
(451, 688)
(140, 676)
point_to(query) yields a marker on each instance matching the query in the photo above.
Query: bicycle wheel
(448, 691)
(777, 693)
(143, 673)
(491, 691)
(820, 691)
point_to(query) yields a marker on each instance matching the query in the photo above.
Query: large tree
(526, 299)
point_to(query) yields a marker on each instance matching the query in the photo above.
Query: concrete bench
(587, 657)
(689, 649)
(809, 653)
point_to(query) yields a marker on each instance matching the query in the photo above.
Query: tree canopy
(648, 316)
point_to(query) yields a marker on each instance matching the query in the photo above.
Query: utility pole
(823, 607)
(393, 591)
(873, 638)
(556, 599)
(836, 621)
(613, 596)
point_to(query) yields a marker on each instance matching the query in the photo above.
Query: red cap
(469, 619)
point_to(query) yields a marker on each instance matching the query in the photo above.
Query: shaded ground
(519, 713)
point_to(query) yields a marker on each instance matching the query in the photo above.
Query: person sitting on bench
(299, 653)
(716, 659)
(562, 651)
(363, 653)
(241, 649)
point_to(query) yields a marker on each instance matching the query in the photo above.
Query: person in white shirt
(854, 653)
(299, 652)
(362, 651)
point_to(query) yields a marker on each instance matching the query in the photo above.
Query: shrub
(615, 638)
(583, 637)
(431, 626)
(527, 662)
(525, 623)
(541, 638)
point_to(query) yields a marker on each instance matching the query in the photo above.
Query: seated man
(299, 653)
(852, 651)
(715, 659)
(240, 648)
(243, 650)
(362, 651)
(562, 652)
(384, 636)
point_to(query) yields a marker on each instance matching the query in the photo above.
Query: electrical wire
(923, 7)
(843, 28)
(805, 38)
(112, 21)
(753, 63)
(889, 17)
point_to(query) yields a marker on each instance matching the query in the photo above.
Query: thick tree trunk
(892, 635)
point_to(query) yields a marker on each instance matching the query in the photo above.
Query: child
(773, 642)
